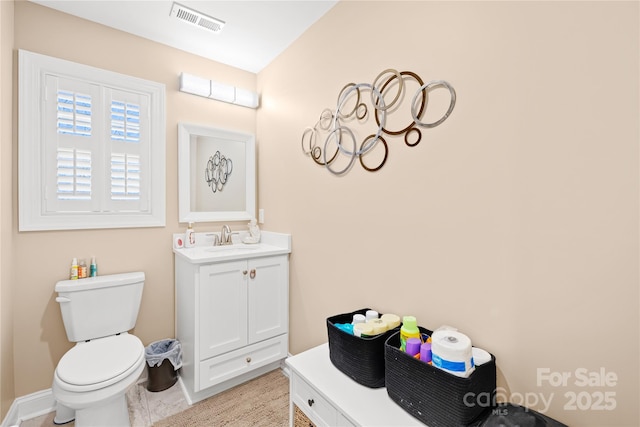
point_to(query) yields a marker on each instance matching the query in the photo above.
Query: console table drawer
(317, 408)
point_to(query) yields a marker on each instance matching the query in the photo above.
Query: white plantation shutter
(72, 146)
(73, 174)
(129, 150)
(73, 113)
(91, 147)
(125, 121)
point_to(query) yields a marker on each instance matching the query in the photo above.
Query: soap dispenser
(189, 237)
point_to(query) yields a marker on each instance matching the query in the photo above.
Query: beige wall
(6, 230)
(516, 220)
(42, 258)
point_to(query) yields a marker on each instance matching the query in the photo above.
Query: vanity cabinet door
(222, 308)
(268, 289)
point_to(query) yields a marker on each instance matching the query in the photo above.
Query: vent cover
(196, 18)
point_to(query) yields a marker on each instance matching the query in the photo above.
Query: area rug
(263, 402)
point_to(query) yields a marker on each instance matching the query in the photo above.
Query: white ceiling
(255, 31)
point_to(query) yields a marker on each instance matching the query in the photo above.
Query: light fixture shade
(218, 91)
(222, 92)
(195, 85)
(246, 98)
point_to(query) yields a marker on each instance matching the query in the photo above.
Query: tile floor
(145, 407)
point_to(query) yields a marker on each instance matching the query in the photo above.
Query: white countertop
(204, 252)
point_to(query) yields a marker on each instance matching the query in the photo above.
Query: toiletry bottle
(189, 237)
(408, 330)
(413, 347)
(74, 269)
(371, 314)
(93, 268)
(82, 269)
(425, 352)
(358, 318)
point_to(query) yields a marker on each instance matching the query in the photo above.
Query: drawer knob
(248, 359)
(252, 273)
(311, 402)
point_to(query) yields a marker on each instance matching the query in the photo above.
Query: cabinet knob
(253, 273)
(311, 402)
(248, 359)
(244, 272)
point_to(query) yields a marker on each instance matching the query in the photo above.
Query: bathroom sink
(270, 244)
(240, 247)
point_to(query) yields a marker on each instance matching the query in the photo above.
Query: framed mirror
(216, 174)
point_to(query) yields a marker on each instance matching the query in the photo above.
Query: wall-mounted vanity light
(219, 91)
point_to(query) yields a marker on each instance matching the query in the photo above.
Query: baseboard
(29, 406)
(37, 404)
(42, 402)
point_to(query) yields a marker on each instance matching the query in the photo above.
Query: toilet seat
(100, 362)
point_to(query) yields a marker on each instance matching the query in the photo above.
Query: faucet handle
(215, 239)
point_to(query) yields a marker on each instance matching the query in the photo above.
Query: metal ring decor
(336, 120)
(332, 124)
(423, 105)
(384, 160)
(217, 172)
(339, 131)
(400, 89)
(417, 141)
(433, 85)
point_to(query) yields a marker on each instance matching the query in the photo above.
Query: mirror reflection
(216, 174)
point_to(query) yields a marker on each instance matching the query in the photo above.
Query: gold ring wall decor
(332, 135)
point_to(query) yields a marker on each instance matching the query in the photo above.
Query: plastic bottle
(408, 330)
(371, 315)
(93, 268)
(189, 237)
(413, 347)
(82, 269)
(74, 269)
(358, 318)
(425, 352)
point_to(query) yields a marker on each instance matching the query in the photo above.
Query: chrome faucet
(215, 239)
(225, 235)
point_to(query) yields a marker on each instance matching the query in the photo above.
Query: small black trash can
(164, 358)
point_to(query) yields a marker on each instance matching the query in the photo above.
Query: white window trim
(31, 191)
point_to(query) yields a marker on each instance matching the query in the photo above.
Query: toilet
(92, 378)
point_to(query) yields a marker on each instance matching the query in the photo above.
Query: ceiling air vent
(196, 18)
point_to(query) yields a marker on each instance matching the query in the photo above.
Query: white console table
(330, 398)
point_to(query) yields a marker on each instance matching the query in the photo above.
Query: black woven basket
(436, 397)
(361, 359)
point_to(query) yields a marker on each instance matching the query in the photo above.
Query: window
(91, 147)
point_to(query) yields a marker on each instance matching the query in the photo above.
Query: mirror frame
(185, 132)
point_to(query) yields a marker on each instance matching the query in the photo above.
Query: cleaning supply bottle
(408, 330)
(189, 237)
(413, 347)
(93, 267)
(82, 269)
(74, 269)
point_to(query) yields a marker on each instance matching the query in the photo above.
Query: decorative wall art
(217, 172)
(333, 141)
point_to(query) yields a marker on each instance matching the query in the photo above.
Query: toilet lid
(99, 360)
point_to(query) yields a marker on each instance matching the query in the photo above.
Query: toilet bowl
(92, 378)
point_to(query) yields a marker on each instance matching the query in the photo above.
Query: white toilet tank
(100, 306)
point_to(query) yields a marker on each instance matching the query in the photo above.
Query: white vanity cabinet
(232, 317)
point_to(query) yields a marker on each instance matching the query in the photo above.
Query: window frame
(32, 185)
